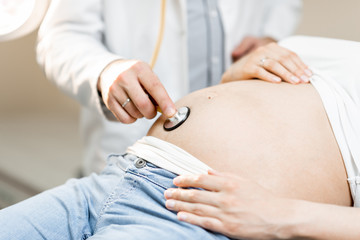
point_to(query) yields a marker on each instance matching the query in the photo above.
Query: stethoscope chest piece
(178, 119)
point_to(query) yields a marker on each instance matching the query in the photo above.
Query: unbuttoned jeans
(126, 201)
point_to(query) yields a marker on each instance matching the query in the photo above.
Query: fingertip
(276, 79)
(182, 216)
(294, 79)
(150, 115)
(170, 111)
(308, 72)
(215, 173)
(170, 204)
(177, 180)
(304, 79)
(168, 193)
(235, 53)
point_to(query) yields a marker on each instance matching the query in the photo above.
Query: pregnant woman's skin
(275, 134)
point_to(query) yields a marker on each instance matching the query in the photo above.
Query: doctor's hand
(127, 87)
(271, 63)
(230, 205)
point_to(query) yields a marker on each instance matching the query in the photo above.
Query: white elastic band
(167, 156)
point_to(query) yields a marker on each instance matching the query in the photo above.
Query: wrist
(305, 221)
(108, 71)
(299, 219)
(294, 221)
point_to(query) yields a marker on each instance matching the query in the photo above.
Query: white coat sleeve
(282, 18)
(70, 49)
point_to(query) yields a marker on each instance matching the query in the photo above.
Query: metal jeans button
(140, 163)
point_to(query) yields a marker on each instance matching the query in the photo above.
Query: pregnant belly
(275, 134)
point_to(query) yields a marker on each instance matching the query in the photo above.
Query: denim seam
(147, 178)
(110, 200)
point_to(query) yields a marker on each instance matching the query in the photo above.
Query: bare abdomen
(275, 134)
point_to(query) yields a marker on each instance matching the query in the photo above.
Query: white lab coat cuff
(96, 102)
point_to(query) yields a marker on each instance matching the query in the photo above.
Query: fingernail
(308, 72)
(177, 180)
(168, 193)
(170, 203)
(304, 78)
(182, 216)
(170, 111)
(295, 79)
(214, 172)
(276, 79)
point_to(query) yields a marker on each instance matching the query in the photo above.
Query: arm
(240, 208)
(70, 49)
(73, 55)
(281, 21)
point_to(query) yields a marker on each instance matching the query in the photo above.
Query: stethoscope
(183, 112)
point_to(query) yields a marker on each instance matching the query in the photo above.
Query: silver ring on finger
(126, 102)
(262, 61)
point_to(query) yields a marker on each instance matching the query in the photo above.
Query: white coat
(79, 38)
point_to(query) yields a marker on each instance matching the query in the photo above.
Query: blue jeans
(125, 201)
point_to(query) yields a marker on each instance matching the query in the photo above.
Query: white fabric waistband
(167, 156)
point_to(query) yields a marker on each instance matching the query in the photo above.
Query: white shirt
(205, 43)
(78, 39)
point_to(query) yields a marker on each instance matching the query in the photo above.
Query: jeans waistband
(125, 160)
(135, 165)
